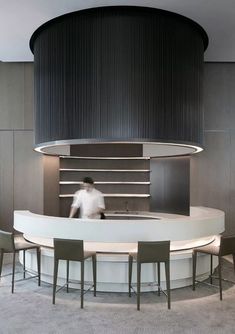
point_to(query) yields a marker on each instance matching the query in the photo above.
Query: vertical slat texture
(117, 73)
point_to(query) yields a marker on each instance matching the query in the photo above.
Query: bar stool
(72, 250)
(10, 243)
(226, 247)
(151, 252)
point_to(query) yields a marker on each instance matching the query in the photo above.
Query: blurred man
(89, 200)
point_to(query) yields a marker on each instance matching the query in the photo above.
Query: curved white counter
(121, 236)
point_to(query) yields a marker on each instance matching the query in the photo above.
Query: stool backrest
(66, 249)
(153, 251)
(227, 245)
(6, 241)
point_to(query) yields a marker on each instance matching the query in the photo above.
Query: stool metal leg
(56, 263)
(94, 272)
(159, 276)
(39, 265)
(1, 261)
(82, 282)
(194, 267)
(24, 263)
(220, 277)
(13, 273)
(167, 270)
(211, 272)
(138, 284)
(234, 261)
(67, 276)
(130, 262)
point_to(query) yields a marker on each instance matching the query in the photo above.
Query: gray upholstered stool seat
(22, 244)
(226, 247)
(209, 249)
(10, 243)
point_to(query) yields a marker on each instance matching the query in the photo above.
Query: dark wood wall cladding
(87, 163)
(107, 150)
(128, 183)
(119, 73)
(104, 176)
(160, 184)
(139, 184)
(51, 201)
(111, 204)
(124, 182)
(170, 185)
(109, 188)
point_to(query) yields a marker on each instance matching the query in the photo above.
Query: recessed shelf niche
(123, 181)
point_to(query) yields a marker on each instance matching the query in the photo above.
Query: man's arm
(101, 205)
(76, 204)
(73, 211)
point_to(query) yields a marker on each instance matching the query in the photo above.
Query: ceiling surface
(20, 18)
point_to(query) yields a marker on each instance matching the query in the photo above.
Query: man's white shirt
(89, 202)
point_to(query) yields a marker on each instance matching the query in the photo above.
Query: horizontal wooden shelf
(106, 182)
(111, 195)
(104, 170)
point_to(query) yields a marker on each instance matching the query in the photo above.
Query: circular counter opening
(128, 217)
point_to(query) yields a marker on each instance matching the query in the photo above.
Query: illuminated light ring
(56, 145)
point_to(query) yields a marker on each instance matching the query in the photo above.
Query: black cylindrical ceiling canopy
(119, 74)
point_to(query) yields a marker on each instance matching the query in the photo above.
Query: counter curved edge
(203, 222)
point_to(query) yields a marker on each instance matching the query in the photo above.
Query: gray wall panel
(6, 180)
(11, 96)
(213, 171)
(28, 174)
(28, 95)
(219, 97)
(210, 180)
(231, 212)
(21, 178)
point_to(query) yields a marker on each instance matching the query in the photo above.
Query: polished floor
(30, 311)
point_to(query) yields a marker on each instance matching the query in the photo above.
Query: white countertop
(203, 222)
